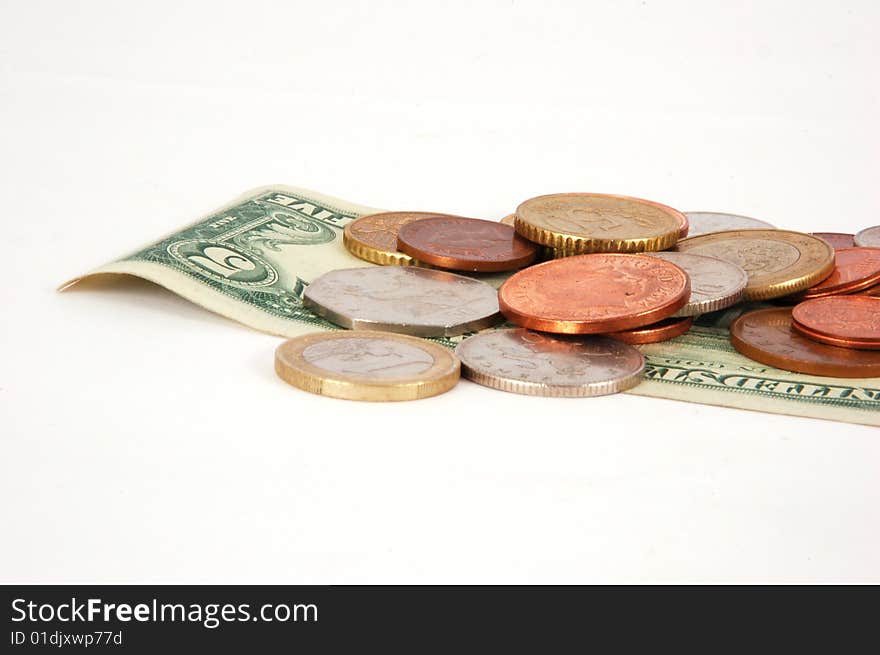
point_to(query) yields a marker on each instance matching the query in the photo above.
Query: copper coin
(847, 321)
(662, 331)
(766, 336)
(373, 237)
(465, 244)
(854, 269)
(684, 224)
(836, 239)
(873, 291)
(834, 341)
(590, 294)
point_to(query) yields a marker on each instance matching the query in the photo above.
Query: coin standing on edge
(778, 262)
(710, 222)
(845, 321)
(465, 244)
(373, 237)
(590, 294)
(578, 223)
(868, 238)
(664, 330)
(375, 366)
(836, 239)
(535, 364)
(715, 283)
(766, 336)
(404, 299)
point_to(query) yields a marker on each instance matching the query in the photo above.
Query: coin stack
(593, 275)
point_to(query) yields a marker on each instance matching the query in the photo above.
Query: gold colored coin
(778, 262)
(374, 237)
(510, 220)
(367, 365)
(577, 223)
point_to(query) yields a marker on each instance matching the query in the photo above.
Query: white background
(147, 440)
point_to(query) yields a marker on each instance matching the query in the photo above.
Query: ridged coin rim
(566, 243)
(528, 388)
(293, 369)
(776, 289)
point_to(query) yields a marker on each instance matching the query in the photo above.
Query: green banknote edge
(250, 260)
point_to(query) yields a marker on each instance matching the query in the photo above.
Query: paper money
(252, 259)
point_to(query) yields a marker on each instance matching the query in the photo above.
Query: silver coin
(417, 301)
(868, 238)
(715, 283)
(536, 364)
(708, 222)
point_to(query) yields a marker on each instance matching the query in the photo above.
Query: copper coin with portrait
(596, 293)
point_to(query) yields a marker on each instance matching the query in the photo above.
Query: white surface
(146, 440)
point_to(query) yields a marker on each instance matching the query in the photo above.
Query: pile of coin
(591, 275)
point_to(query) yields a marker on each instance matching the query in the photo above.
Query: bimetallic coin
(521, 361)
(709, 222)
(846, 321)
(855, 269)
(778, 262)
(465, 244)
(590, 294)
(366, 365)
(868, 238)
(836, 239)
(408, 300)
(373, 237)
(662, 331)
(576, 223)
(766, 336)
(715, 283)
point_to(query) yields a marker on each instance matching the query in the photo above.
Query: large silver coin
(715, 283)
(536, 364)
(868, 238)
(417, 301)
(708, 222)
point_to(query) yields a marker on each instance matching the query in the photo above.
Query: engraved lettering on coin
(522, 361)
(715, 283)
(416, 301)
(372, 358)
(596, 214)
(778, 262)
(594, 293)
(754, 255)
